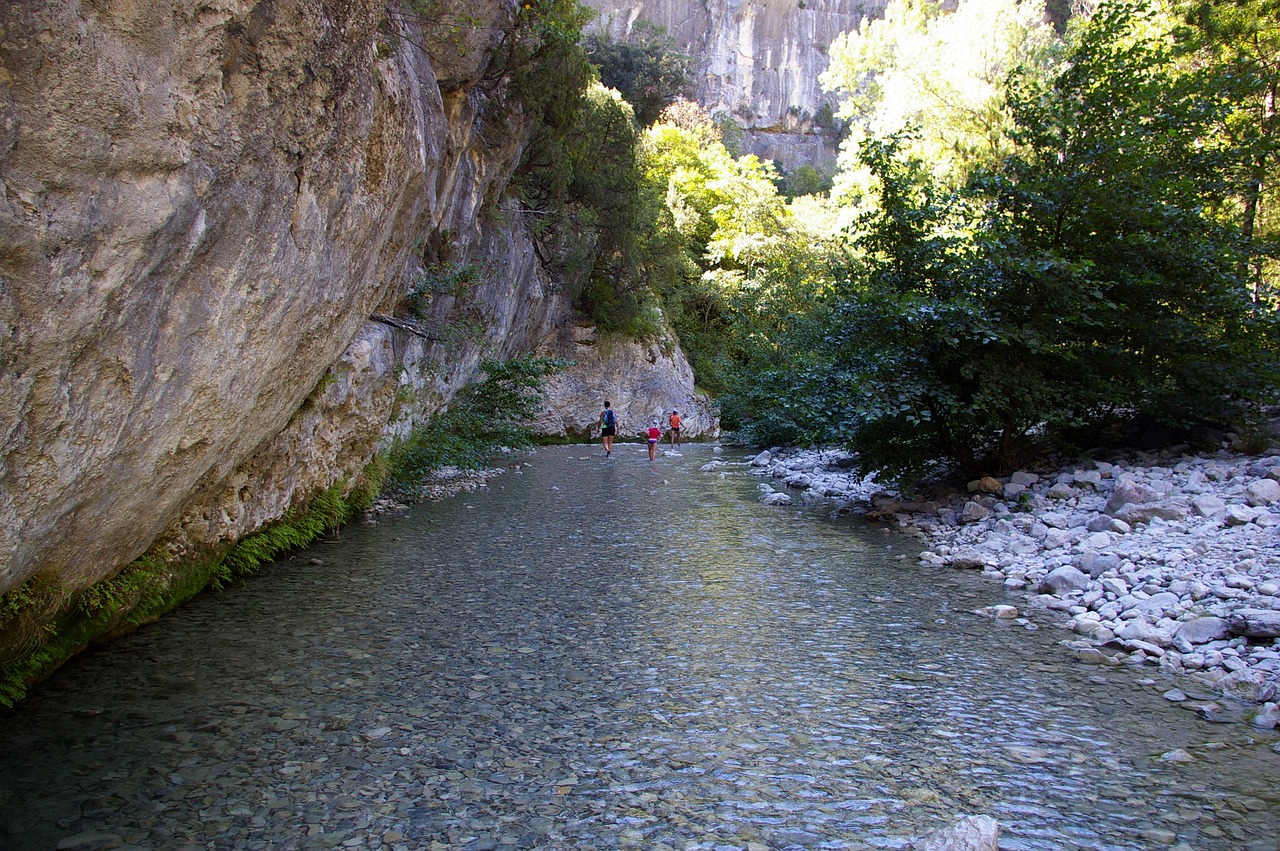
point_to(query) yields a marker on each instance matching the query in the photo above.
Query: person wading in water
(608, 428)
(674, 422)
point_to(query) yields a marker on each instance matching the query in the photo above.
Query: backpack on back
(609, 419)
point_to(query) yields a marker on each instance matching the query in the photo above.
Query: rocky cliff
(211, 214)
(758, 61)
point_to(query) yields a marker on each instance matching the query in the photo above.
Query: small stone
(1159, 835)
(986, 484)
(1000, 612)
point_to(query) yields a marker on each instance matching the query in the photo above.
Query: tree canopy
(1036, 236)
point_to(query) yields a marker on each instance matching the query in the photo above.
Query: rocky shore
(1169, 559)
(438, 484)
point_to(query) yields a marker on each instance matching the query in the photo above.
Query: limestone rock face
(189, 191)
(757, 60)
(642, 381)
(205, 207)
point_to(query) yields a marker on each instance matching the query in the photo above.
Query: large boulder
(1254, 623)
(1063, 580)
(1135, 513)
(1262, 492)
(1128, 492)
(1202, 630)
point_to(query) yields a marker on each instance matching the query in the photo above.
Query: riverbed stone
(1249, 685)
(1238, 515)
(1000, 611)
(1254, 622)
(972, 833)
(1095, 563)
(985, 484)
(1158, 604)
(967, 558)
(1062, 580)
(1208, 505)
(1204, 629)
(1090, 478)
(1128, 492)
(1136, 513)
(1262, 492)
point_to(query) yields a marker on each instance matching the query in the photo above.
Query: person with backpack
(608, 428)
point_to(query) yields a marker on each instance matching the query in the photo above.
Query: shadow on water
(614, 654)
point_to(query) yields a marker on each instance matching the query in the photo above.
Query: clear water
(614, 654)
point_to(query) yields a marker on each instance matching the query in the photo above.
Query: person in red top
(655, 434)
(674, 421)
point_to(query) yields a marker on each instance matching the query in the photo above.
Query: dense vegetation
(1038, 232)
(1035, 237)
(489, 415)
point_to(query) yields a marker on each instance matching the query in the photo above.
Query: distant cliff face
(204, 209)
(757, 60)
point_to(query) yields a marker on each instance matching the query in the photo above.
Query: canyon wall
(757, 61)
(211, 215)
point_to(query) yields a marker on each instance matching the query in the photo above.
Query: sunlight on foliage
(941, 73)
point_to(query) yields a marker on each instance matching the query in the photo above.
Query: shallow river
(598, 654)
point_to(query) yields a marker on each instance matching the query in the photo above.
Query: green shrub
(484, 417)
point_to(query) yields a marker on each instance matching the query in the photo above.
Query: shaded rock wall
(202, 205)
(757, 60)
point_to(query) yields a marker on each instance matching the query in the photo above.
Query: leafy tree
(648, 69)
(937, 72)
(485, 416)
(1238, 43)
(805, 179)
(1115, 195)
(737, 234)
(1088, 279)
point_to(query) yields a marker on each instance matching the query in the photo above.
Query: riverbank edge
(52, 625)
(1166, 559)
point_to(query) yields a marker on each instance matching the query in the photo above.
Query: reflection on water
(614, 654)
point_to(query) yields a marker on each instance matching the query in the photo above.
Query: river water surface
(596, 654)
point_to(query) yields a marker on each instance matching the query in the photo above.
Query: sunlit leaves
(941, 73)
